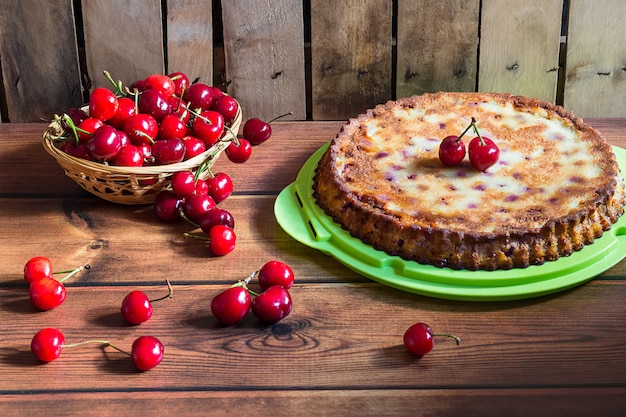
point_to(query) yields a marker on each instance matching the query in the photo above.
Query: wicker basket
(130, 185)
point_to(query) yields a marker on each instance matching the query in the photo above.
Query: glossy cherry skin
(183, 183)
(167, 206)
(227, 106)
(105, 143)
(272, 305)
(87, 128)
(214, 217)
(129, 156)
(125, 109)
(103, 104)
(141, 129)
(181, 82)
(201, 187)
(146, 352)
(162, 83)
(136, 307)
(231, 306)
(256, 131)
(47, 344)
(154, 103)
(239, 153)
(78, 151)
(220, 186)
(275, 273)
(451, 150)
(36, 268)
(47, 293)
(194, 146)
(168, 151)
(209, 126)
(418, 339)
(76, 114)
(172, 127)
(483, 154)
(196, 205)
(199, 96)
(222, 240)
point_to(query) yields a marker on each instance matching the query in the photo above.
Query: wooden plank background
(320, 59)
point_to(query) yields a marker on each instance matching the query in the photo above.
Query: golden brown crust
(376, 179)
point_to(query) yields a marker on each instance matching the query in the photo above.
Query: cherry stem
(85, 342)
(74, 272)
(280, 117)
(193, 236)
(184, 217)
(244, 283)
(116, 348)
(232, 132)
(466, 129)
(473, 124)
(170, 290)
(119, 89)
(456, 338)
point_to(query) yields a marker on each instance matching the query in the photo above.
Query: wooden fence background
(320, 59)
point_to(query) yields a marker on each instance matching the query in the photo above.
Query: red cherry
(78, 151)
(146, 352)
(103, 104)
(167, 206)
(275, 273)
(181, 82)
(47, 344)
(214, 217)
(36, 268)
(208, 126)
(220, 186)
(231, 306)
(162, 83)
(154, 103)
(125, 109)
(272, 305)
(183, 183)
(239, 153)
(141, 129)
(199, 96)
(47, 293)
(172, 127)
(129, 156)
(76, 114)
(418, 339)
(105, 144)
(168, 151)
(227, 106)
(222, 240)
(257, 131)
(196, 205)
(194, 146)
(483, 153)
(87, 128)
(202, 187)
(452, 150)
(137, 307)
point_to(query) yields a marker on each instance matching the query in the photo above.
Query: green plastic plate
(298, 214)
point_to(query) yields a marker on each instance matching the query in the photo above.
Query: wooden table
(340, 351)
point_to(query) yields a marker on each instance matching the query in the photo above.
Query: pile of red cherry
(273, 304)
(482, 151)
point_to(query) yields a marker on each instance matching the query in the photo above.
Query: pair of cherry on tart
(476, 181)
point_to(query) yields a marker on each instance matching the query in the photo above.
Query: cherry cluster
(482, 151)
(159, 120)
(47, 293)
(273, 304)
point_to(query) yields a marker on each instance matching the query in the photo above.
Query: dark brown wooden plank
(573, 402)
(112, 30)
(437, 46)
(190, 38)
(39, 58)
(264, 53)
(338, 336)
(350, 57)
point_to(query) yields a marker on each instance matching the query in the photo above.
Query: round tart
(555, 187)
